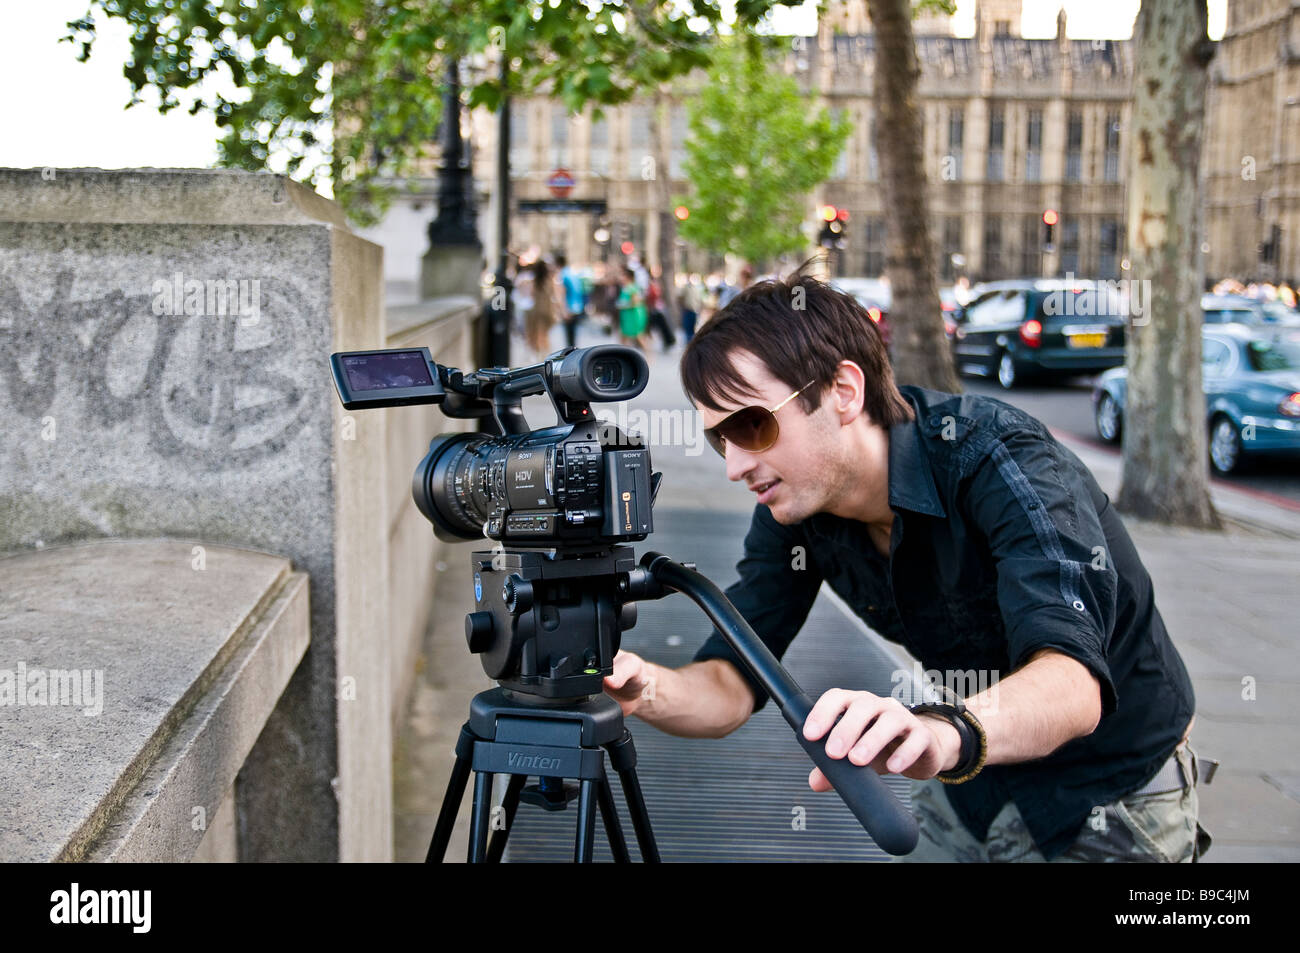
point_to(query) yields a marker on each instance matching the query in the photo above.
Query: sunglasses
(752, 429)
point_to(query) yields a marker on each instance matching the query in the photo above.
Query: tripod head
(549, 623)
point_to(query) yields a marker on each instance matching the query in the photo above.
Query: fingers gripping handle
(890, 825)
(872, 803)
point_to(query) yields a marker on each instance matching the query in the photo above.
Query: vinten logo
(535, 761)
(102, 906)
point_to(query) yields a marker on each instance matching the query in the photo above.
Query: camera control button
(478, 631)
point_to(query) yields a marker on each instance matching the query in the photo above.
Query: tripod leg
(613, 829)
(497, 847)
(582, 850)
(478, 824)
(451, 800)
(622, 754)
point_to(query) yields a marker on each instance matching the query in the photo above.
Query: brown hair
(800, 328)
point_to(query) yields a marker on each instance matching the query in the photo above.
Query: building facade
(1013, 127)
(1252, 156)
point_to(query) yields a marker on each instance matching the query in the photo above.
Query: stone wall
(164, 343)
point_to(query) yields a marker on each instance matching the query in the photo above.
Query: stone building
(1013, 127)
(1252, 158)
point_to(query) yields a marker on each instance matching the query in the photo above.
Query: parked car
(1015, 330)
(1251, 379)
(951, 308)
(873, 294)
(1238, 309)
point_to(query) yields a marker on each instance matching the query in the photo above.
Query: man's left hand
(880, 732)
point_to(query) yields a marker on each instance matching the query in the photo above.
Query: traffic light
(1050, 218)
(833, 232)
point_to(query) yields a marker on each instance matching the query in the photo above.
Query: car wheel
(1108, 419)
(1225, 446)
(1006, 371)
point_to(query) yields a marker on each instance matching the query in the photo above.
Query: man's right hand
(633, 682)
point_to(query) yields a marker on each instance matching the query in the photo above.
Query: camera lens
(451, 486)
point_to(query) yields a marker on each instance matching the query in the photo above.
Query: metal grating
(735, 798)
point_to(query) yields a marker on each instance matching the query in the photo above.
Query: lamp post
(457, 221)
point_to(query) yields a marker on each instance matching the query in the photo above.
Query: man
(575, 299)
(689, 302)
(956, 526)
(729, 292)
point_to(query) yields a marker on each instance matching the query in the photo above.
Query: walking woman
(632, 315)
(545, 310)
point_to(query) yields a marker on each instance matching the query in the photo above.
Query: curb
(1236, 506)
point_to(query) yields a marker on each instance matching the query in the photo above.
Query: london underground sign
(561, 183)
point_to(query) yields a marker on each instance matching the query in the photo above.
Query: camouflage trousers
(1147, 828)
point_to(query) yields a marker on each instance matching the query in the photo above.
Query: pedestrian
(545, 311)
(575, 300)
(689, 301)
(522, 297)
(958, 527)
(729, 292)
(632, 316)
(655, 303)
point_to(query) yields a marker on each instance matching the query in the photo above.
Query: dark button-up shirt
(1002, 545)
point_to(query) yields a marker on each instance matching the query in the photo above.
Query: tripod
(548, 634)
(546, 628)
(521, 736)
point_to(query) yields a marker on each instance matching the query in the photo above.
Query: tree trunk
(918, 345)
(661, 189)
(1165, 435)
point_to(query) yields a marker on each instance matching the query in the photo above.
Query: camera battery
(627, 493)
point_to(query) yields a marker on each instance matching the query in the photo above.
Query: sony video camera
(580, 484)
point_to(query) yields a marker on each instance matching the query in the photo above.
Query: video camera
(579, 484)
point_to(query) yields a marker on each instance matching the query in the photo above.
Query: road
(1067, 408)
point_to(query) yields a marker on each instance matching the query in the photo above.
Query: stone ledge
(423, 317)
(162, 196)
(190, 663)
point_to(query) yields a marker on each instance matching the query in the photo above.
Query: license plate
(1086, 340)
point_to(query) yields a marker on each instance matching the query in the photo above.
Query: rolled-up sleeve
(777, 587)
(1056, 582)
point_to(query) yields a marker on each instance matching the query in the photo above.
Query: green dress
(632, 318)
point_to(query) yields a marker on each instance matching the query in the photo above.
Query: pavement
(1229, 600)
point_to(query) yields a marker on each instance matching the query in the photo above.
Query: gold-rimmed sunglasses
(752, 429)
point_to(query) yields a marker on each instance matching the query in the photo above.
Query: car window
(1277, 311)
(1229, 316)
(1098, 302)
(1278, 355)
(1000, 307)
(1214, 357)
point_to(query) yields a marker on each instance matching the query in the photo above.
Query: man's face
(806, 470)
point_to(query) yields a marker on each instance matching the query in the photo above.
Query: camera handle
(861, 788)
(508, 388)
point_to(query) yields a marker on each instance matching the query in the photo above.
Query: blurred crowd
(1260, 291)
(624, 300)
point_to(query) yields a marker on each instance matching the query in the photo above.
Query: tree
(918, 344)
(755, 150)
(1165, 467)
(350, 91)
